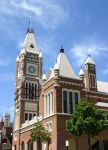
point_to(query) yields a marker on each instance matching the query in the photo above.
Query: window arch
(30, 145)
(22, 146)
(15, 148)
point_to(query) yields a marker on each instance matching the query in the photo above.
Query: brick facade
(50, 105)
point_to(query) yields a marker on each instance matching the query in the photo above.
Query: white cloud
(48, 13)
(80, 50)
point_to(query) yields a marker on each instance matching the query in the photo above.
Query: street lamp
(67, 144)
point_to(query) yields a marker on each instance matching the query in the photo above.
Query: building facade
(51, 98)
(6, 130)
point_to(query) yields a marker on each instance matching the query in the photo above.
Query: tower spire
(30, 29)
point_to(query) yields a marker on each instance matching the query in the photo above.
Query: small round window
(91, 67)
(32, 57)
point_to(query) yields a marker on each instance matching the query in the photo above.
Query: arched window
(22, 146)
(15, 148)
(30, 145)
(48, 104)
(39, 145)
(30, 116)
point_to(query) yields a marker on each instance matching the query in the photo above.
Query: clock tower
(28, 81)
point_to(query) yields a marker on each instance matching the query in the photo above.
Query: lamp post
(67, 144)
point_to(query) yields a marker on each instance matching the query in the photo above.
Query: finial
(30, 29)
(89, 55)
(61, 50)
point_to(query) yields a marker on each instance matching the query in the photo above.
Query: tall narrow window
(32, 90)
(26, 89)
(92, 81)
(65, 101)
(70, 99)
(15, 147)
(22, 146)
(34, 115)
(35, 91)
(51, 103)
(76, 98)
(48, 104)
(26, 116)
(70, 102)
(30, 116)
(46, 98)
(29, 90)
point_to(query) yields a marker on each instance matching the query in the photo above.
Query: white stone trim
(101, 104)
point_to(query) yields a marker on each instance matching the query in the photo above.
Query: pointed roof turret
(40, 55)
(89, 60)
(30, 44)
(17, 59)
(56, 67)
(62, 64)
(81, 73)
(23, 51)
(44, 77)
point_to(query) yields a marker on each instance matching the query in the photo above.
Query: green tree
(87, 119)
(39, 134)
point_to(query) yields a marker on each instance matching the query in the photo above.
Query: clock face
(31, 69)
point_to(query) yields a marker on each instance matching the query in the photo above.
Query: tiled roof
(102, 86)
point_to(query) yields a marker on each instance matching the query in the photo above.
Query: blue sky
(80, 26)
